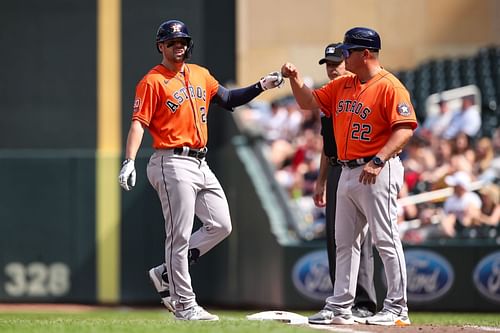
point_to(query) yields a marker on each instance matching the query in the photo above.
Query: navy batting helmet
(172, 29)
(361, 38)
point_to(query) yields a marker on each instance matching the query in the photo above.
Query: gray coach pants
(365, 290)
(360, 206)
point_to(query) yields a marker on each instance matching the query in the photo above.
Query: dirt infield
(406, 329)
(77, 308)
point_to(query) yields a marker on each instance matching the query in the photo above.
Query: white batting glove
(272, 80)
(127, 175)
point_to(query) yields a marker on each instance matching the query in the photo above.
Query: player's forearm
(301, 92)
(134, 139)
(230, 98)
(398, 139)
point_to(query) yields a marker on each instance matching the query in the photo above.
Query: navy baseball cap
(332, 53)
(360, 37)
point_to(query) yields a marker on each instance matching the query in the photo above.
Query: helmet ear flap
(189, 49)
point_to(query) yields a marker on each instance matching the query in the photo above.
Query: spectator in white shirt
(467, 120)
(435, 124)
(273, 124)
(463, 207)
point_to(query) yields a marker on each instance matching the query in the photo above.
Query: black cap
(332, 53)
(360, 37)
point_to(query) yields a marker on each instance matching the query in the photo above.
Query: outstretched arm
(300, 91)
(230, 98)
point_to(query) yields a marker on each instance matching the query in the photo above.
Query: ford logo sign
(430, 276)
(487, 276)
(311, 276)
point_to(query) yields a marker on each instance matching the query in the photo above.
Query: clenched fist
(289, 70)
(272, 80)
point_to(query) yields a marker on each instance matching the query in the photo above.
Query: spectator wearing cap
(462, 208)
(325, 194)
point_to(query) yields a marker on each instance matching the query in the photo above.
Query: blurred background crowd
(452, 164)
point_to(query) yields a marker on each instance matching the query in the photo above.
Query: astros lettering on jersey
(175, 107)
(360, 116)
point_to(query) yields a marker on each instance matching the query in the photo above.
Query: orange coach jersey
(175, 106)
(363, 115)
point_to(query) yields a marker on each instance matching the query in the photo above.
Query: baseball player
(172, 101)
(372, 119)
(325, 194)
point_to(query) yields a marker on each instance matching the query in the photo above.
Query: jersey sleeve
(145, 103)
(323, 97)
(401, 110)
(211, 83)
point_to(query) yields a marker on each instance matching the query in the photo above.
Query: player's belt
(196, 153)
(351, 164)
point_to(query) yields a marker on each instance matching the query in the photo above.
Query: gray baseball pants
(187, 187)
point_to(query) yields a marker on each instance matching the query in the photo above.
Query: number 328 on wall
(36, 279)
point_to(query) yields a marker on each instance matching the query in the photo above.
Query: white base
(282, 316)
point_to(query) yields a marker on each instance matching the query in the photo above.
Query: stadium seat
(452, 73)
(468, 70)
(438, 77)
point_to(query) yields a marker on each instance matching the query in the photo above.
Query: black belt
(196, 153)
(351, 164)
(333, 161)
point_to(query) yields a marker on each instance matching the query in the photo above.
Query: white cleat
(195, 313)
(328, 317)
(387, 318)
(158, 276)
(324, 317)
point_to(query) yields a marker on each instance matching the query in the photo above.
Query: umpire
(325, 194)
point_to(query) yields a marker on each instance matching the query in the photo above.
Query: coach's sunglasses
(347, 53)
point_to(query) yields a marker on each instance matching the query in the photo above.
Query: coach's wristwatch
(378, 161)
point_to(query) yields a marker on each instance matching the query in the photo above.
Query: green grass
(445, 318)
(142, 321)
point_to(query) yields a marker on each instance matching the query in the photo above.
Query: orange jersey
(364, 114)
(175, 106)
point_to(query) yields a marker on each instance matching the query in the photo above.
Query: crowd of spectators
(448, 150)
